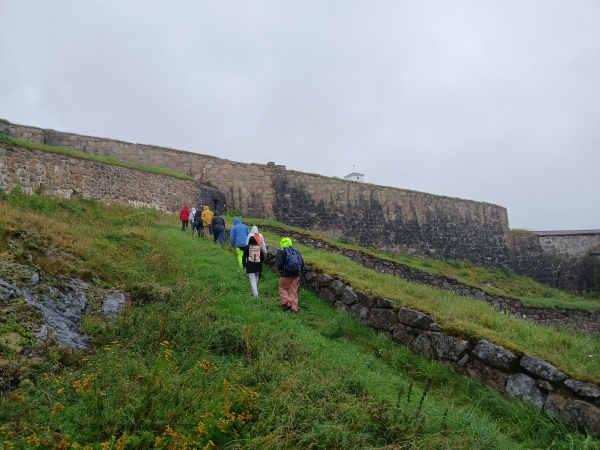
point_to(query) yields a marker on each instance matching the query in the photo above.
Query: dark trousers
(184, 224)
(218, 234)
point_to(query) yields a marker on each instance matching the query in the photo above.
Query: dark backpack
(293, 261)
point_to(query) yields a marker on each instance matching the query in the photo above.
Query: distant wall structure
(375, 216)
(65, 176)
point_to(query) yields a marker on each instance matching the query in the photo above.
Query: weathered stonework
(65, 176)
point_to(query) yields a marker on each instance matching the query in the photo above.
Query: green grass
(197, 359)
(4, 139)
(501, 281)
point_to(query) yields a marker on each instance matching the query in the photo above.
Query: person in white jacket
(260, 240)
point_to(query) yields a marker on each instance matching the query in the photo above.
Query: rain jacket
(193, 214)
(261, 239)
(185, 213)
(238, 234)
(207, 216)
(218, 223)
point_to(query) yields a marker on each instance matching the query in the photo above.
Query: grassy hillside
(197, 362)
(495, 281)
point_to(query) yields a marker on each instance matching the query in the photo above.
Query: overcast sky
(497, 101)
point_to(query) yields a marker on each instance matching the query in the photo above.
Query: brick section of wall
(65, 176)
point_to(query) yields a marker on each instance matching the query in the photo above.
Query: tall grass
(197, 362)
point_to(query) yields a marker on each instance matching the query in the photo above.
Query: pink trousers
(288, 290)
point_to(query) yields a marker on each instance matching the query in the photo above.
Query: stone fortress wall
(373, 216)
(65, 176)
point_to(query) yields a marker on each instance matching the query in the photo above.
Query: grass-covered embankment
(4, 139)
(196, 361)
(501, 281)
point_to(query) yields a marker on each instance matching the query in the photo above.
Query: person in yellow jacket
(207, 216)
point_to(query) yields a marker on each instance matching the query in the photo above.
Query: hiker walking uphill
(218, 227)
(252, 260)
(207, 216)
(192, 219)
(184, 216)
(238, 238)
(289, 264)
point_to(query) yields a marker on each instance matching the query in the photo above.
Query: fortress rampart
(373, 216)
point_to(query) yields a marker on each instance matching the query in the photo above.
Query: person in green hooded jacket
(289, 264)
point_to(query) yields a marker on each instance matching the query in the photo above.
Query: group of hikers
(251, 250)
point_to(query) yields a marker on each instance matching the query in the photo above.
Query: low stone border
(555, 317)
(526, 378)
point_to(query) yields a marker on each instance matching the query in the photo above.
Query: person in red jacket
(184, 216)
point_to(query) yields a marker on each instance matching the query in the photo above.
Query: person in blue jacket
(238, 236)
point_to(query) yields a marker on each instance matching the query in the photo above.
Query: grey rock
(588, 390)
(487, 375)
(324, 279)
(541, 368)
(340, 305)
(381, 302)
(435, 327)
(8, 291)
(414, 318)
(495, 355)
(464, 360)
(113, 305)
(524, 388)
(403, 334)
(309, 276)
(546, 385)
(365, 300)
(576, 413)
(4, 129)
(359, 311)
(35, 279)
(61, 311)
(327, 295)
(382, 319)
(337, 287)
(348, 296)
(422, 345)
(447, 347)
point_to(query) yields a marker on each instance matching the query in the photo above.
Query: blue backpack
(293, 261)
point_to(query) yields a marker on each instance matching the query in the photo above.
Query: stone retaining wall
(523, 377)
(587, 321)
(65, 176)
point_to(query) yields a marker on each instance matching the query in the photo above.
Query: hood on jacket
(285, 242)
(254, 230)
(206, 208)
(193, 210)
(185, 207)
(237, 221)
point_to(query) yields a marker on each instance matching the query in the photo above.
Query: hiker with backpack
(238, 237)
(192, 219)
(258, 237)
(218, 227)
(252, 260)
(197, 224)
(289, 264)
(184, 216)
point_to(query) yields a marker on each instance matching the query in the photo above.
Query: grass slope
(495, 281)
(197, 362)
(101, 159)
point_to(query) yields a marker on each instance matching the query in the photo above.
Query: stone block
(348, 296)
(487, 375)
(337, 287)
(525, 388)
(359, 311)
(381, 302)
(324, 279)
(382, 319)
(403, 334)
(546, 385)
(327, 295)
(588, 390)
(541, 369)
(435, 327)
(414, 318)
(447, 348)
(365, 300)
(576, 413)
(495, 356)
(309, 276)
(422, 345)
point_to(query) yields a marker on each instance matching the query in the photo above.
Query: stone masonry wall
(522, 377)
(65, 176)
(564, 259)
(588, 321)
